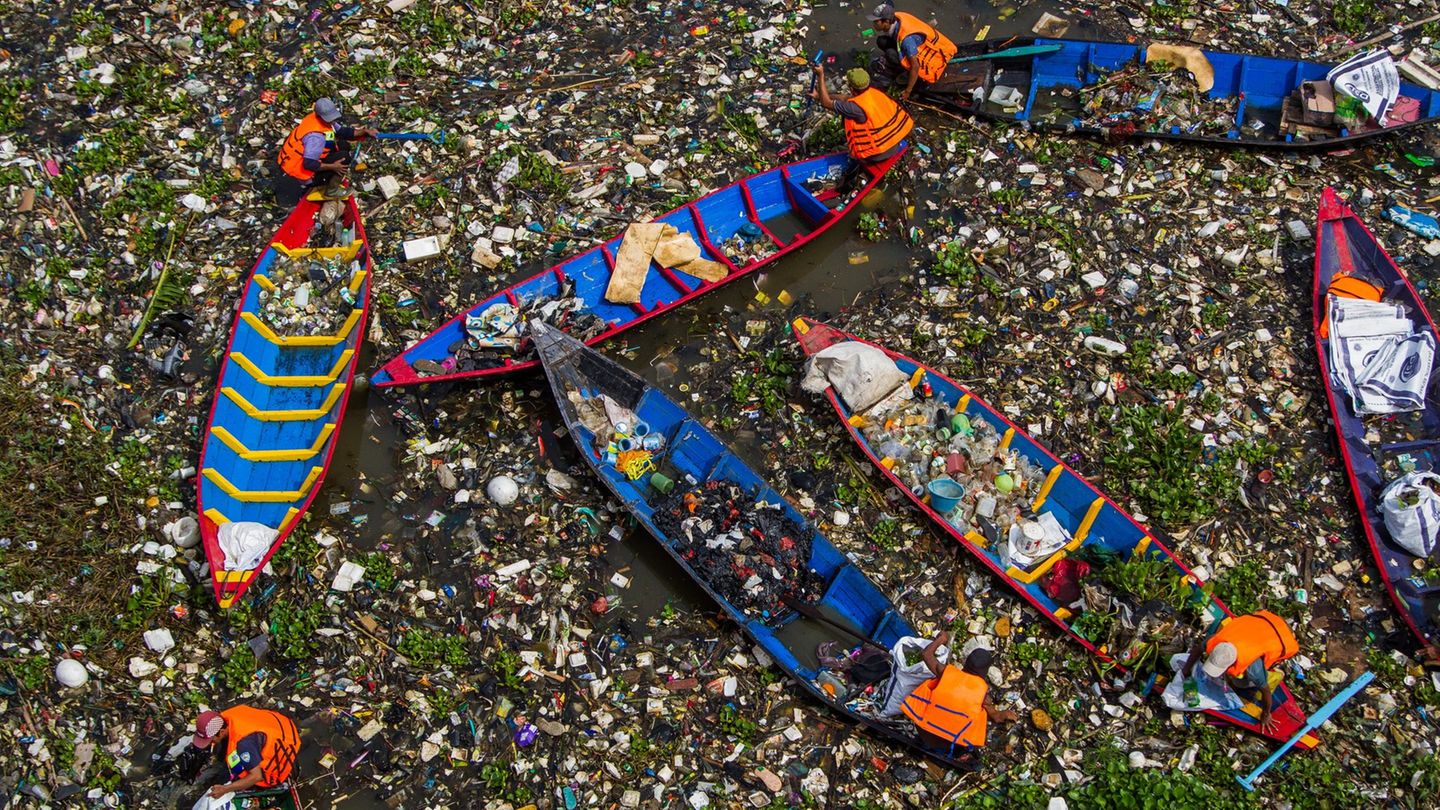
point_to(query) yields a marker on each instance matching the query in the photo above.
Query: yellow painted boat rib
(1038, 571)
(1005, 442)
(215, 516)
(357, 282)
(293, 380)
(263, 496)
(307, 415)
(296, 454)
(800, 326)
(1085, 524)
(264, 282)
(1050, 479)
(290, 517)
(226, 577)
(294, 341)
(963, 404)
(342, 253)
(1144, 544)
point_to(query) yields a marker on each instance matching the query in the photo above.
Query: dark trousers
(289, 190)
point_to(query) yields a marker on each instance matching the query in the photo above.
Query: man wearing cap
(952, 709)
(260, 746)
(875, 126)
(316, 152)
(922, 51)
(1244, 650)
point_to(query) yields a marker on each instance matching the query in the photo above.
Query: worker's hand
(369, 132)
(944, 637)
(819, 70)
(1007, 716)
(218, 791)
(1268, 722)
(337, 167)
(905, 94)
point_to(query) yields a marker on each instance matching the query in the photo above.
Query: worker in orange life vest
(875, 126)
(316, 152)
(922, 52)
(1244, 650)
(952, 709)
(259, 746)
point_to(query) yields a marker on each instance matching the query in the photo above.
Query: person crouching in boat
(1244, 650)
(875, 126)
(260, 746)
(951, 710)
(912, 46)
(316, 152)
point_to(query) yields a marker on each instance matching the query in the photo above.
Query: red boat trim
(755, 215)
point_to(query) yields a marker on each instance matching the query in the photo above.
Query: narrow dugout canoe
(1087, 515)
(280, 398)
(1244, 107)
(776, 207)
(1343, 245)
(847, 596)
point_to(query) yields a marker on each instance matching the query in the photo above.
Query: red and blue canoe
(279, 401)
(1090, 518)
(778, 204)
(1344, 246)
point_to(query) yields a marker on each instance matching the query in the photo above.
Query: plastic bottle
(1192, 693)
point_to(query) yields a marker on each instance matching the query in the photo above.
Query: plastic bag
(906, 676)
(862, 375)
(207, 803)
(1412, 512)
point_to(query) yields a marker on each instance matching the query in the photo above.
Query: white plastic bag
(862, 375)
(1412, 512)
(207, 803)
(905, 677)
(1370, 78)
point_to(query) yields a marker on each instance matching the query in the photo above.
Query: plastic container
(945, 495)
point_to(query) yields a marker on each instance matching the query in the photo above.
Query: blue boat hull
(278, 405)
(761, 202)
(849, 597)
(1344, 244)
(1050, 83)
(1090, 517)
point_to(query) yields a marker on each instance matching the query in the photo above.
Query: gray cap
(884, 11)
(328, 110)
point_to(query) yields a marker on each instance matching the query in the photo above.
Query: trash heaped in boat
(756, 556)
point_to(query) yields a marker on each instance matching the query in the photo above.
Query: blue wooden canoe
(279, 401)
(1049, 84)
(849, 597)
(1091, 518)
(1344, 245)
(776, 203)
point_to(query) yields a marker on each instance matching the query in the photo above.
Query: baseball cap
(207, 727)
(328, 110)
(884, 11)
(1221, 658)
(858, 78)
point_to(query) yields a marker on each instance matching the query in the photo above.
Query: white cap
(1220, 659)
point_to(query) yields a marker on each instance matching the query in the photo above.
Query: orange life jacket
(952, 707)
(1257, 635)
(1348, 286)
(292, 151)
(282, 741)
(934, 53)
(886, 125)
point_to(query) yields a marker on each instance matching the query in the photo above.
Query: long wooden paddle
(810, 612)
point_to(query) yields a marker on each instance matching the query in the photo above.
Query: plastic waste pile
(311, 296)
(749, 552)
(1152, 99)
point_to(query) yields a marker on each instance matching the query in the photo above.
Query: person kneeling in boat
(1244, 650)
(909, 44)
(316, 152)
(260, 746)
(875, 126)
(951, 710)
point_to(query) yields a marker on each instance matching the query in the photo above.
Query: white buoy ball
(71, 673)
(503, 490)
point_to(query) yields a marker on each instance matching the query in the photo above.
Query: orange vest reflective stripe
(1347, 286)
(282, 741)
(934, 53)
(292, 151)
(886, 125)
(952, 707)
(1257, 635)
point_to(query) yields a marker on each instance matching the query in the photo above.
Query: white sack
(1371, 78)
(903, 678)
(862, 375)
(245, 544)
(1412, 512)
